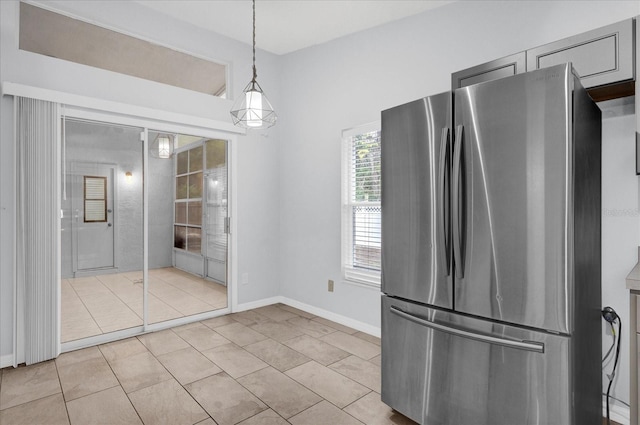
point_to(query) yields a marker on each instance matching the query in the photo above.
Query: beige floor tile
(317, 350)
(162, 342)
(201, 337)
(361, 371)
(275, 313)
(106, 303)
(377, 360)
(324, 413)
(352, 344)
(279, 392)
(84, 372)
(234, 360)
(372, 411)
(240, 334)
(249, 317)
(218, 321)
(207, 421)
(311, 327)
(78, 356)
(188, 365)
(280, 331)
(277, 355)
(370, 338)
(226, 401)
(297, 311)
(122, 349)
(28, 383)
(108, 407)
(167, 403)
(330, 385)
(268, 417)
(334, 325)
(49, 410)
(139, 371)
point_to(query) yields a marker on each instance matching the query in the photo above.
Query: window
(361, 209)
(188, 202)
(95, 199)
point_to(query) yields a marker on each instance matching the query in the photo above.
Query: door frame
(178, 126)
(77, 169)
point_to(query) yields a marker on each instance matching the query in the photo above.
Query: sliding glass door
(144, 229)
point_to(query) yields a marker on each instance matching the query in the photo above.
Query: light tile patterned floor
(106, 303)
(272, 365)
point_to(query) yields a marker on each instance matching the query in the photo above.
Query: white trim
(6, 361)
(232, 261)
(156, 115)
(329, 315)
(257, 304)
(325, 314)
(144, 135)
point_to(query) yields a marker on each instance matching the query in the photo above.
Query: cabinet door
(499, 68)
(601, 56)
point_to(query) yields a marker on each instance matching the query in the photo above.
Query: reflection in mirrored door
(102, 237)
(183, 280)
(101, 229)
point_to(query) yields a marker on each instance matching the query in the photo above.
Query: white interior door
(93, 217)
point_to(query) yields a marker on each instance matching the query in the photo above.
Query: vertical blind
(37, 234)
(362, 207)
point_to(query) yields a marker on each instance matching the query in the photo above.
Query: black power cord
(611, 316)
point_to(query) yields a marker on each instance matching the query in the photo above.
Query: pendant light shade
(252, 109)
(162, 147)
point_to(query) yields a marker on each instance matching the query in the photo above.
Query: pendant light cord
(255, 73)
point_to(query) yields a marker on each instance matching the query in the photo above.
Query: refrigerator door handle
(444, 195)
(537, 347)
(456, 201)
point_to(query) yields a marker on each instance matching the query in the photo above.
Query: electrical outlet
(330, 286)
(245, 278)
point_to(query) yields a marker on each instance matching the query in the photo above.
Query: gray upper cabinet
(503, 67)
(601, 57)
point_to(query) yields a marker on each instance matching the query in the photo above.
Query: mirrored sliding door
(101, 236)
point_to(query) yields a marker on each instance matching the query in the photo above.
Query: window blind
(38, 230)
(362, 210)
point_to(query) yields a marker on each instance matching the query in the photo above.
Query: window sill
(359, 278)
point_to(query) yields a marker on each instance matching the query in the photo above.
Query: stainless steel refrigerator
(491, 254)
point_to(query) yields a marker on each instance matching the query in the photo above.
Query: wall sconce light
(129, 177)
(162, 146)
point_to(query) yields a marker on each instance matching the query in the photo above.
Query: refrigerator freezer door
(442, 368)
(511, 179)
(416, 156)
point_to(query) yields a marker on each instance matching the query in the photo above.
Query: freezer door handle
(444, 195)
(490, 339)
(457, 204)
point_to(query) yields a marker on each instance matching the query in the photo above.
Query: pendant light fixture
(252, 109)
(162, 146)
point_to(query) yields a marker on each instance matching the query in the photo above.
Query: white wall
(257, 156)
(347, 82)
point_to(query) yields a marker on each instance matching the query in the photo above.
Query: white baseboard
(6, 360)
(256, 304)
(329, 315)
(618, 413)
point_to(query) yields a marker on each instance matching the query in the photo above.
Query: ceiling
(286, 26)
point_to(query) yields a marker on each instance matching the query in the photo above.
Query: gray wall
(257, 155)
(96, 143)
(347, 82)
